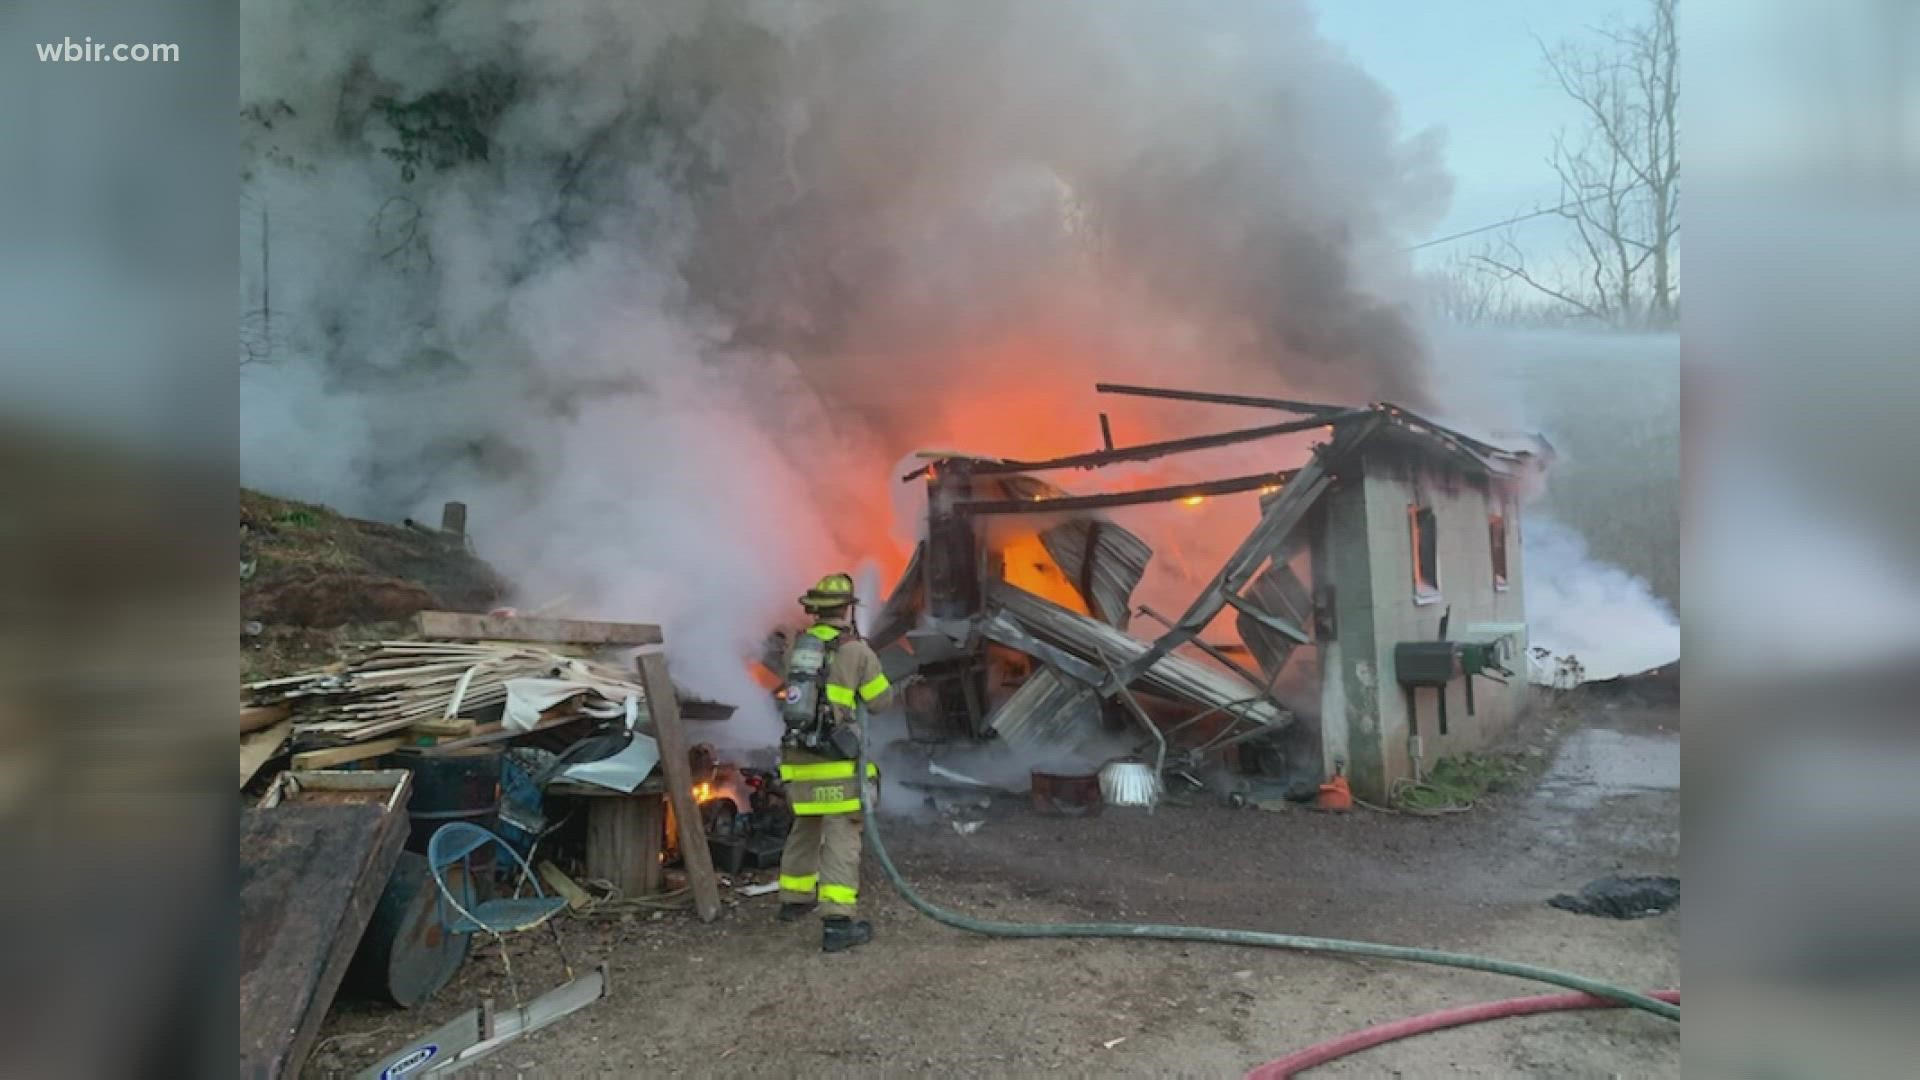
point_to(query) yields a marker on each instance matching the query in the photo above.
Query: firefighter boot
(840, 933)
(792, 912)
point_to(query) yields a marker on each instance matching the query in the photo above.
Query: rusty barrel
(1065, 794)
(406, 953)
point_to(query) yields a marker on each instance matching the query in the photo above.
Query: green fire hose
(1260, 938)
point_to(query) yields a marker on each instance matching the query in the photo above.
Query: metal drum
(406, 955)
(451, 787)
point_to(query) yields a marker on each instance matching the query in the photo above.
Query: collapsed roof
(1082, 658)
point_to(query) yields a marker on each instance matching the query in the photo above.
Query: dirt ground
(748, 996)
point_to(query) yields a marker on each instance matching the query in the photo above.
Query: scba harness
(805, 705)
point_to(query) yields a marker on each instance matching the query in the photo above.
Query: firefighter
(829, 672)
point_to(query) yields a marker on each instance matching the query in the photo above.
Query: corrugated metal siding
(1048, 708)
(1105, 563)
(1170, 676)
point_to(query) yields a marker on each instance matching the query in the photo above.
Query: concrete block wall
(1369, 564)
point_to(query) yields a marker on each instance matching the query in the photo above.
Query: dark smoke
(665, 290)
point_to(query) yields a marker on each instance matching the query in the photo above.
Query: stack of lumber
(394, 693)
(422, 687)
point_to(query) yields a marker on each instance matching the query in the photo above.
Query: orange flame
(1193, 500)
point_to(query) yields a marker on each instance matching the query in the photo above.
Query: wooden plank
(259, 747)
(310, 876)
(461, 626)
(624, 837)
(441, 727)
(561, 786)
(488, 734)
(664, 706)
(1148, 451)
(1171, 493)
(377, 787)
(260, 717)
(577, 898)
(340, 755)
(1283, 404)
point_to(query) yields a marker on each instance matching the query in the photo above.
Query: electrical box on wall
(1426, 663)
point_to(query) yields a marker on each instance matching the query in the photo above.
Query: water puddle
(1595, 764)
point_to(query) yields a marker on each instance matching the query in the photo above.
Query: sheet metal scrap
(1272, 616)
(1085, 641)
(1103, 561)
(1047, 708)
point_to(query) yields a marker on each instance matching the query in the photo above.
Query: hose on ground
(1257, 938)
(1460, 1015)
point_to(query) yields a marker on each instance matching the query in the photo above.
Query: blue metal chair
(457, 843)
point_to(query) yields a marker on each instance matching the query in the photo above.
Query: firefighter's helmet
(829, 593)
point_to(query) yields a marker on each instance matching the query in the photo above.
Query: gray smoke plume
(664, 291)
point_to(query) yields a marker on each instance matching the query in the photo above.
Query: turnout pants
(822, 857)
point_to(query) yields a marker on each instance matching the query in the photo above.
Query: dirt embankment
(312, 579)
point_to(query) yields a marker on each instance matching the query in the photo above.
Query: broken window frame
(1426, 578)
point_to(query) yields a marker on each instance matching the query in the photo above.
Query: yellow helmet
(832, 591)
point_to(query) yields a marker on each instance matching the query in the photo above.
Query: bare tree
(1619, 176)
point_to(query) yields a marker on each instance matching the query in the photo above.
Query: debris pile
(1018, 610)
(435, 688)
(462, 775)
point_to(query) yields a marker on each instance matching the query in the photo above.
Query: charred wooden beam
(952, 569)
(1172, 493)
(1106, 432)
(1148, 451)
(1283, 404)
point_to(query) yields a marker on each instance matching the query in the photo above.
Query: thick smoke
(1606, 618)
(664, 291)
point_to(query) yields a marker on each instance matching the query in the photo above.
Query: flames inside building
(1369, 622)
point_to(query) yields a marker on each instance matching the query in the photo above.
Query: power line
(1512, 221)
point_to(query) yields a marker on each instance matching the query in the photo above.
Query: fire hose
(1258, 938)
(1460, 1015)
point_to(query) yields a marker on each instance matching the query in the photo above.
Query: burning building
(1372, 620)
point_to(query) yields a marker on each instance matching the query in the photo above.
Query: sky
(1473, 71)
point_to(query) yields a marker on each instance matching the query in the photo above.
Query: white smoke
(1610, 405)
(1601, 615)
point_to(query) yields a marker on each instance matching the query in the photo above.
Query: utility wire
(1512, 221)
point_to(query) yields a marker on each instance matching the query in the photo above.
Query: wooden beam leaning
(1173, 493)
(663, 706)
(1283, 513)
(1148, 451)
(1283, 404)
(463, 626)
